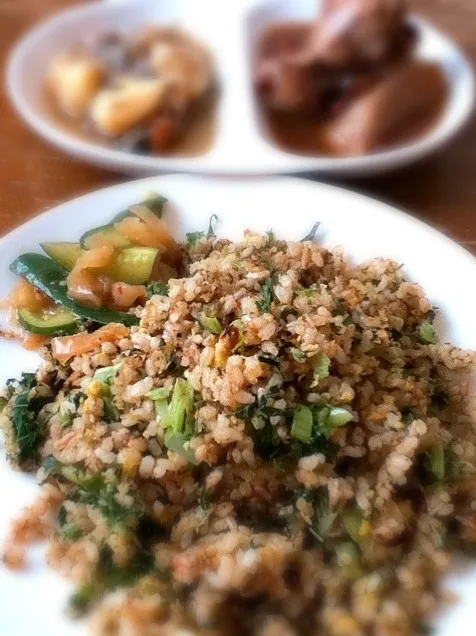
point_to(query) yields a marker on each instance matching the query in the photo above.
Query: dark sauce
(308, 133)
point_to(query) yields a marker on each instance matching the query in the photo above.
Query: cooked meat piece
(402, 98)
(355, 34)
(284, 39)
(281, 83)
(303, 67)
(284, 85)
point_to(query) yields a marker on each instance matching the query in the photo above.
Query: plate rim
(145, 183)
(305, 185)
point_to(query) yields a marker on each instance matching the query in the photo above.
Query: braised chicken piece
(303, 66)
(341, 68)
(286, 86)
(378, 115)
(356, 34)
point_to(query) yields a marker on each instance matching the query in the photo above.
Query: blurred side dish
(142, 91)
(349, 82)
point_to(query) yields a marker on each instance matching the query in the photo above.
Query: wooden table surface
(34, 176)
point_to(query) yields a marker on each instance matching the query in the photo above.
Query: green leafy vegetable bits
(302, 424)
(106, 374)
(194, 237)
(211, 324)
(28, 430)
(298, 355)
(321, 367)
(436, 462)
(338, 417)
(264, 305)
(157, 289)
(427, 333)
(349, 561)
(181, 406)
(180, 444)
(159, 394)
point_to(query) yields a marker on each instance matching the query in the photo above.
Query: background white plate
(32, 602)
(230, 30)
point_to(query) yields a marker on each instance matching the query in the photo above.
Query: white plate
(230, 31)
(32, 602)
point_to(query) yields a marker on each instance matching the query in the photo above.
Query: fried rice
(282, 447)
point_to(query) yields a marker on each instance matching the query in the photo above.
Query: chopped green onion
(180, 444)
(159, 397)
(348, 559)
(159, 394)
(211, 324)
(322, 417)
(302, 424)
(325, 517)
(321, 367)
(306, 292)
(436, 460)
(268, 294)
(298, 355)
(189, 428)
(162, 412)
(238, 325)
(352, 520)
(454, 468)
(328, 418)
(427, 333)
(111, 414)
(315, 534)
(80, 602)
(71, 533)
(106, 374)
(338, 417)
(180, 407)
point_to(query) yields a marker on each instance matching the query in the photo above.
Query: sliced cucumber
(47, 276)
(133, 265)
(65, 254)
(58, 322)
(107, 232)
(155, 203)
